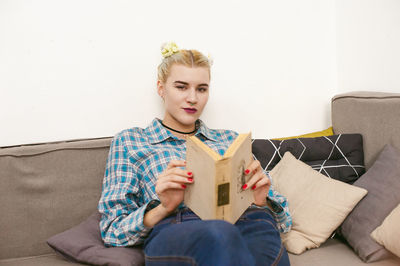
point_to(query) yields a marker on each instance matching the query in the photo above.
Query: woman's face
(185, 94)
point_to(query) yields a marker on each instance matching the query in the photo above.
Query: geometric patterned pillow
(340, 157)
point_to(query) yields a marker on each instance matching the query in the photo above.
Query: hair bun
(210, 59)
(168, 49)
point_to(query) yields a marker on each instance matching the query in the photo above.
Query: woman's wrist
(153, 216)
(164, 211)
(264, 203)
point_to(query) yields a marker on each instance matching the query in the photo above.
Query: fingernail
(184, 186)
(247, 171)
(244, 186)
(253, 187)
(190, 179)
(190, 173)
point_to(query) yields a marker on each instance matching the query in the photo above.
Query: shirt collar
(156, 133)
(206, 132)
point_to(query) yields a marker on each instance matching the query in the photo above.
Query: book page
(200, 196)
(240, 159)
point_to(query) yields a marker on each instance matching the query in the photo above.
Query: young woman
(145, 181)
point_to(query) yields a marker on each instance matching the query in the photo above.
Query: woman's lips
(190, 110)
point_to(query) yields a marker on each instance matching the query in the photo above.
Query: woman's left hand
(258, 182)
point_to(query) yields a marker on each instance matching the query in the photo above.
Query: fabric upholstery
(335, 253)
(47, 189)
(382, 181)
(41, 260)
(339, 156)
(332, 253)
(374, 115)
(388, 233)
(326, 132)
(83, 243)
(318, 204)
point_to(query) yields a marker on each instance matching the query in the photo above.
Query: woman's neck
(180, 131)
(179, 128)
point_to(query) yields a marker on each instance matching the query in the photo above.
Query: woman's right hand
(171, 184)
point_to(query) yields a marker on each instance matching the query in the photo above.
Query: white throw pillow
(318, 204)
(388, 233)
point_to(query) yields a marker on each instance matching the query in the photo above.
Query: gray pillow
(382, 181)
(83, 244)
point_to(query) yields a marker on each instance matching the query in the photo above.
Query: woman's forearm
(155, 215)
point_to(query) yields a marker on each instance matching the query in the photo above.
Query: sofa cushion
(41, 187)
(83, 243)
(335, 253)
(42, 260)
(382, 181)
(388, 233)
(340, 157)
(318, 204)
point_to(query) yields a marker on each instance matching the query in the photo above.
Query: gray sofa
(48, 188)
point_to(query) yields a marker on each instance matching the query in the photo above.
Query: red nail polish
(190, 173)
(184, 186)
(253, 187)
(190, 179)
(244, 186)
(247, 171)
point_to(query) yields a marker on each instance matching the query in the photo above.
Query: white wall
(368, 41)
(77, 69)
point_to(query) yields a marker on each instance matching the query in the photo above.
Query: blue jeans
(184, 239)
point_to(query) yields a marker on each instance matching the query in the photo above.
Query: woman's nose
(192, 95)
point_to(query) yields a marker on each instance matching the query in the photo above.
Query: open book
(217, 189)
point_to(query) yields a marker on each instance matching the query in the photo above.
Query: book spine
(222, 189)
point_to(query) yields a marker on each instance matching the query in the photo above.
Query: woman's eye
(202, 89)
(180, 87)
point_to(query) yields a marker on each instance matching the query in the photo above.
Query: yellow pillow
(326, 132)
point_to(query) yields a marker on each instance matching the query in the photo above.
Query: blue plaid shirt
(137, 157)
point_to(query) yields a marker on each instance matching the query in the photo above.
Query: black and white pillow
(340, 157)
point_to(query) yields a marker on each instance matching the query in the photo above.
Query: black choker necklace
(180, 132)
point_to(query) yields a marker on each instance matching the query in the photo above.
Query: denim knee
(218, 232)
(223, 241)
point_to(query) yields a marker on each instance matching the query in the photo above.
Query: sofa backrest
(46, 189)
(375, 115)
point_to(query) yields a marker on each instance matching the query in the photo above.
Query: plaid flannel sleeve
(280, 208)
(120, 205)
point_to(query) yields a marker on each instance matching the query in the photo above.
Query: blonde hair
(190, 58)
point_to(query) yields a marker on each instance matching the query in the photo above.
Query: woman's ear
(160, 88)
